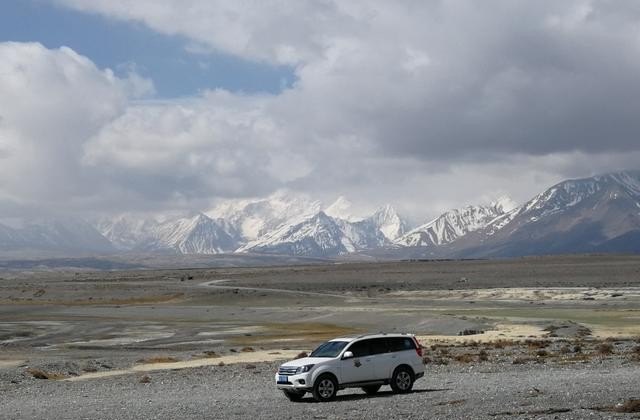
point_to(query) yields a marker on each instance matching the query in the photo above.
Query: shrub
(542, 353)
(629, 406)
(604, 348)
(464, 358)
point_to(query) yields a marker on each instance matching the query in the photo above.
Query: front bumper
(299, 382)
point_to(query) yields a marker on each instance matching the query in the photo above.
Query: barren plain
(543, 337)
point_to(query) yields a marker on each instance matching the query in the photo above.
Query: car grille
(285, 370)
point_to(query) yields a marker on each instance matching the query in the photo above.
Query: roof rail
(381, 333)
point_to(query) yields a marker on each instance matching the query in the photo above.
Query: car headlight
(303, 369)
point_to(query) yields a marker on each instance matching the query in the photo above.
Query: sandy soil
(245, 357)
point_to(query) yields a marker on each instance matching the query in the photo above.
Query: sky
(110, 106)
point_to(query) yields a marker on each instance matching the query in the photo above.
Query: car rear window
(379, 346)
(401, 343)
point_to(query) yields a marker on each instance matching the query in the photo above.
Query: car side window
(379, 346)
(401, 344)
(361, 348)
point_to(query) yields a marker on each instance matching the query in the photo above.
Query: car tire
(325, 388)
(371, 389)
(402, 380)
(294, 396)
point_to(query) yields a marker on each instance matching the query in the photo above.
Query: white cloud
(432, 104)
(216, 145)
(51, 102)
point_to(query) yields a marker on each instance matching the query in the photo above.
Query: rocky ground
(528, 338)
(537, 379)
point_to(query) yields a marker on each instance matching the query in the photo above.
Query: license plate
(282, 378)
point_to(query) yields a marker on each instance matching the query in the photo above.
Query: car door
(358, 368)
(384, 360)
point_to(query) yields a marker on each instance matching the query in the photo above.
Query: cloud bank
(427, 104)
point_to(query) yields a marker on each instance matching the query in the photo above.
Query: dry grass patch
(537, 344)
(502, 343)
(158, 359)
(43, 374)
(440, 361)
(522, 360)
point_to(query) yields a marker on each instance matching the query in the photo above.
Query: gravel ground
(469, 391)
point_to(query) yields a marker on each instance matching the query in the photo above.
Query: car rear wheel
(325, 388)
(293, 395)
(371, 389)
(402, 380)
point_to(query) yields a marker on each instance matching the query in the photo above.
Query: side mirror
(347, 355)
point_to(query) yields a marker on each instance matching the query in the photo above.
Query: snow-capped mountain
(342, 208)
(256, 217)
(126, 232)
(198, 234)
(319, 235)
(597, 214)
(387, 221)
(54, 235)
(454, 224)
(600, 213)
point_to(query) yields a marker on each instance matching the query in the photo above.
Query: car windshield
(329, 349)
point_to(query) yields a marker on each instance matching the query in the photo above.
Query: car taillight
(418, 346)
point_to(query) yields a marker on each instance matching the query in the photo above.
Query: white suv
(367, 362)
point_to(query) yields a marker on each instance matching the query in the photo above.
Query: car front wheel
(325, 388)
(402, 380)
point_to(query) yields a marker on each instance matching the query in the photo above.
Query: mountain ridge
(594, 214)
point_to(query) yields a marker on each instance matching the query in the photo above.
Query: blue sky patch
(118, 45)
